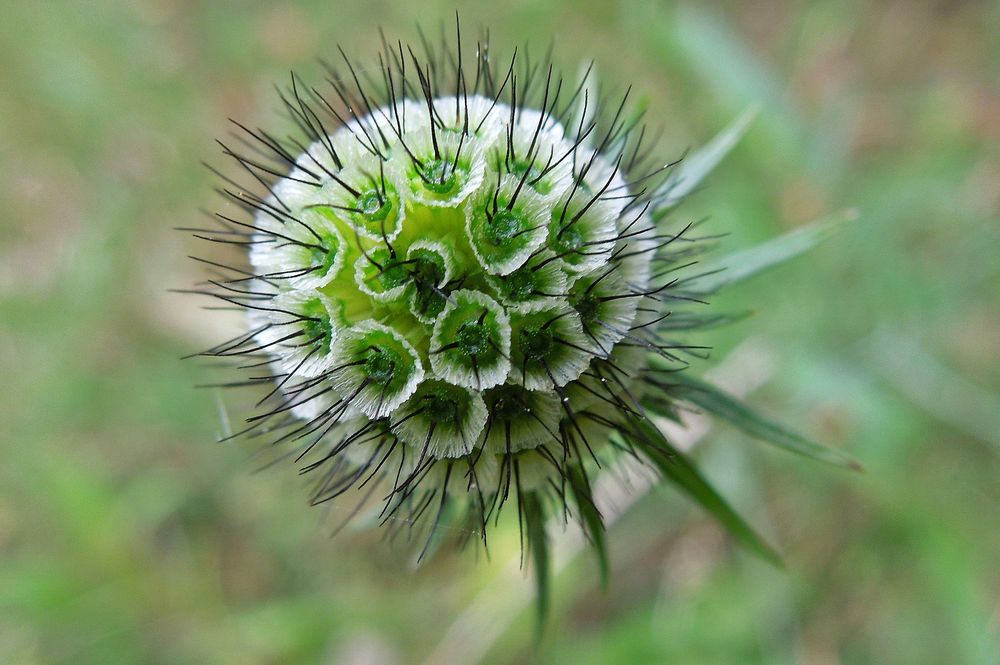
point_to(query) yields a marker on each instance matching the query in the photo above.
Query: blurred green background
(128, 536)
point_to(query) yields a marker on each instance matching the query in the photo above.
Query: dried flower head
(462, 288)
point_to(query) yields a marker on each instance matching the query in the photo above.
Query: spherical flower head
(453, 265)
(449, 266)
(459, 286)
(448, 276)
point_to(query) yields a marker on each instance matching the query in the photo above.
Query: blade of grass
(723, 405)
(696, 166)
(744, 264)
(538, 546)
(591, 522)
(676, 467)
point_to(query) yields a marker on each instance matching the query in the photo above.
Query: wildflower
(460, 290)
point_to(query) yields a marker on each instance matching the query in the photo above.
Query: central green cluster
(456, 280)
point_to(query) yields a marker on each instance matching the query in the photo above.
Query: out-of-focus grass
(127, 536)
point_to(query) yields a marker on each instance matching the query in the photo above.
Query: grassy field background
(128, 536)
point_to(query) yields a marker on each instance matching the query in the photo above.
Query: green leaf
(538, 546)
(591, 521)
(753, 424)
(677, 468)
(746, 263)
(696, 166)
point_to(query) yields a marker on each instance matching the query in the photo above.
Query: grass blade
(591, 521)
(748, 421)
(743, 264)
(696, 166)
(538, 546)
(682, 473)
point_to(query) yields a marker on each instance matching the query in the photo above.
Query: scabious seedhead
(459, 289)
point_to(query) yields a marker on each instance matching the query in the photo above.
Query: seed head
(459, 286)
